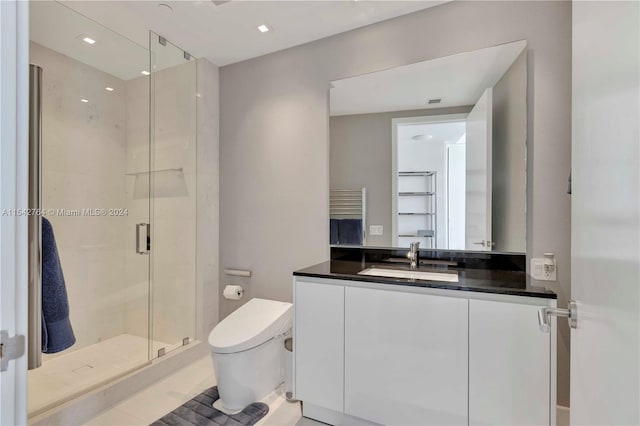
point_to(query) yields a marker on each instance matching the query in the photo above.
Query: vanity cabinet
(509, 365)
(405, 357)
(319, 344)
(374, 353)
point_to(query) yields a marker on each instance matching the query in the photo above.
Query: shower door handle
(143, 238)
(34, 341)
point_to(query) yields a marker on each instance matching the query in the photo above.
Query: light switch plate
(538, 271)
(376, 229)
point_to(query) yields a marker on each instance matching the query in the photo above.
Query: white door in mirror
(478, 174)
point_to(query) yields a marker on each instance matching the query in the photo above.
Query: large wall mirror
(433, 152)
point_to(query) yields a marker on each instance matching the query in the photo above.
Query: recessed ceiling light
(263, 28)
(145, 72)
(88, 40)
(422, 137)
(109, 89)
(84, 100)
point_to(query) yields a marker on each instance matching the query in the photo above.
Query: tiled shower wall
(83, 166)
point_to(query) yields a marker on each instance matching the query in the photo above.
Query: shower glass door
(173, 184)
(96, 179)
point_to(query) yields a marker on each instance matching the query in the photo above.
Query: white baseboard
(334, 418)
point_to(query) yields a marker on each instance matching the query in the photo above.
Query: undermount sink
(411, 275)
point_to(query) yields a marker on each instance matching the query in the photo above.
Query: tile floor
(63, 376)
(159, 399)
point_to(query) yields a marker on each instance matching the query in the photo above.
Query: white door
(605, 348)
(14, 56)
(478, 168)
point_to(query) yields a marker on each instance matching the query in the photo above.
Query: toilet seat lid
(252, 324)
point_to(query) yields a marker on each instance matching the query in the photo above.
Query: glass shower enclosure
(173, 182)
(118, 186)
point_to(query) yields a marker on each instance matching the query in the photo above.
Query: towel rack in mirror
(349, 204)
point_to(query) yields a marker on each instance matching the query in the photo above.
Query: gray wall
(274, 146)
(509, 158)
(360, 155)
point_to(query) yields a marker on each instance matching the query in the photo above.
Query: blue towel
(333, 231)
(57, 334)
(350, 232)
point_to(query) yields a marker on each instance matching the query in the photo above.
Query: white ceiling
(61, 29)
(448, 132)
(227, 33)
(458, 80)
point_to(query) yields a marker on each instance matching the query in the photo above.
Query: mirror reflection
(433, 152)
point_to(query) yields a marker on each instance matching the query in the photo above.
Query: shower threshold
(66, 376)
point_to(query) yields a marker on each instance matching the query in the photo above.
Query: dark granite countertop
(515, 283)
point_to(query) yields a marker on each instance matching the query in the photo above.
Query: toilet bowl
(247, 348)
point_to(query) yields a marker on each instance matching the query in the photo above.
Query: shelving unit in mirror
(417, 212)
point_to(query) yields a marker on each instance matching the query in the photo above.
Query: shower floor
(62, 378)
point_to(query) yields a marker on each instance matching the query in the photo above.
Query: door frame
(447, 176)
(14, 131)
(395, 122)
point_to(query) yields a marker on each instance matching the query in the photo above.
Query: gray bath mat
(199, 412)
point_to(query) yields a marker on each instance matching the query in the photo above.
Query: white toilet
(247, 348)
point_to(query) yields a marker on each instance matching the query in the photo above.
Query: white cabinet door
(405, 357)
(319, 344)
(509, 365)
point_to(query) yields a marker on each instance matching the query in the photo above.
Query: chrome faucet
(414, 254)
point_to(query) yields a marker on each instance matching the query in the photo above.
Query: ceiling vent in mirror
(220, 2)
(434, 101)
